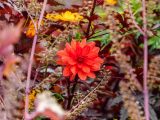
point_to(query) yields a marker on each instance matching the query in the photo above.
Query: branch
(34, 23)
(145, 66)
(90, 21)
(31, 61)
(74, 107)
(70, 97)
(134, 21)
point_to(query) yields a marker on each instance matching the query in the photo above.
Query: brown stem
(68, 92)
(90, 21)
(145, 66)
(71, 93)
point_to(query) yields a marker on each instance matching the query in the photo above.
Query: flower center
(80, 59)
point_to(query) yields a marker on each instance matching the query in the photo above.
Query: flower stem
(28, 77)
(71, 94)
(90, 21)
(145, 67)
(31, 62)
(145, 72)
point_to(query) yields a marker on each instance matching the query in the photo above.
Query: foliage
(154, 41)
(79, 59)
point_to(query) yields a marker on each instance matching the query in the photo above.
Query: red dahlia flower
(80, 58)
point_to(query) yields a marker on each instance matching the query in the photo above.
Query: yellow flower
(110, 2)
(32, 97)
(66, 16)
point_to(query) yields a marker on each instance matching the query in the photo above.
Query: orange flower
(80, 58)
(31, 30)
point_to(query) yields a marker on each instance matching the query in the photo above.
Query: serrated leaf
(58, 96)
(123, 114)
(153, 115)
(114, 101)
(154, 42)
(101, 36)
(136, 6)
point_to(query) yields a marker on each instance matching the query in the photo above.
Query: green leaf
(58, 96)
(121, 7)
(40, 118)
(100, 12)
(101, 36)
(136, 6)
(154, 42)
(98, 33)
(78, 36)
(105, 39)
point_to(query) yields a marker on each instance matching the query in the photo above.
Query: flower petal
(91, 75)
(72, 77)
(89, 62)
(71, 61)
(85, 69)
(74, 69)
(83, 43)
(68, 60)
(82, 75)
(62, 53)
(66, 71)
(68, 47)
(96, 67)
(74, 44)
(85, 50)
(60, 62)
(79, 50)
(91, 44)
(93, 53)
(99, 60)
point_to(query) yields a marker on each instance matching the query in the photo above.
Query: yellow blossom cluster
(65, 16)
(32, 97)
(110, 2)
